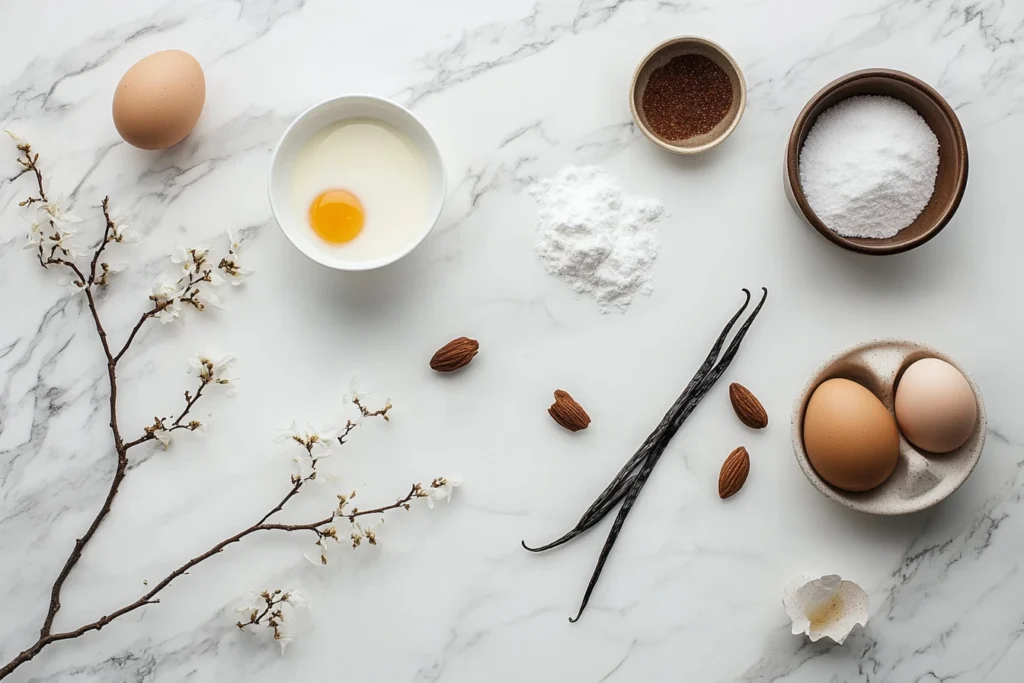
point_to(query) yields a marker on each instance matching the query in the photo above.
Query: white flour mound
(600, 240)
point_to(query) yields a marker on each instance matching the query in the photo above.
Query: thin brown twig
(179, 422)
(119, 471)
(29, 163)
(157, 307)
(107, 231)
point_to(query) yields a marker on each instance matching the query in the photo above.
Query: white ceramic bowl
(921, 479)
(325, 114)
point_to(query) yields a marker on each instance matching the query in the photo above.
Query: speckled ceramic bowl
(921, 479)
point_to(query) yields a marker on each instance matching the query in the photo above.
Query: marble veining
(513, 91)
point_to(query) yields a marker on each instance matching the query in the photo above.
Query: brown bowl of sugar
(687, 95)
(876, 162)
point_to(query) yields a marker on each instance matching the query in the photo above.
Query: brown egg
(850, 438)
(935, 406)
(159, 99)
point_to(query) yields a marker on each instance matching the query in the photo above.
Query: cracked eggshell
(827, 607)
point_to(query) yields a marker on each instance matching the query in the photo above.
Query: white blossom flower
(19, 141)
(108, 269)
(303, 466)
(249, 602)
(364, 530)
(328, 539)
(317, 441)
(58, 212)
(50, 237)
(441, 490)
(35, 235)
(211, 369)
(189, 258)
(294, 598)
(354, 394)
(230, 265)
(169, 313)
(72, 283)
(235, 271)
(182, 256)
(163, 436)
(62, 240)
(123, 232)
(203, 299)
(272, 610)
(165, 290)
(234, 244)
(284, 636)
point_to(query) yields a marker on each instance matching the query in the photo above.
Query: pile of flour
(593, 235)
(868, 166)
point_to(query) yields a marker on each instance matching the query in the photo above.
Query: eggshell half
(935, 406)
(851, 439)
(159, 99)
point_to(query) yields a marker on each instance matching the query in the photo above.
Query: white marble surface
(513, 91)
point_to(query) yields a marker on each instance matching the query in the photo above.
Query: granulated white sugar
(596, 237)
(868, 166)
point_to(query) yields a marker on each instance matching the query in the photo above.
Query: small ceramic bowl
(659, 56)
(940, 117)
(314, 119)
(920, 479)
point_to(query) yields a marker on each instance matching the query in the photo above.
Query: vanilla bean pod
(638, 481)
(634, 475)
(620, 485)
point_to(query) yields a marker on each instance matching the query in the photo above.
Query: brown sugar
(686, 97)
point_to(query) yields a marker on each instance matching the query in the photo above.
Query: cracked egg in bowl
(356, 182)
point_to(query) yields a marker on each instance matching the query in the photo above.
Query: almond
(455, 354)
(568, 413)
(734, 472)
(747, 407)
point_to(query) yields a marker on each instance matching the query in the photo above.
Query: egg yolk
(337, 216)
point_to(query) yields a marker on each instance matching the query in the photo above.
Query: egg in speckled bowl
(895, 476)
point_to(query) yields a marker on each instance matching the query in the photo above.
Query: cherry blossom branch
(107, 230)
(151, 432)
(28, 164)
(60, 254)
(415, 492)
(150, 597)
(272, 600)
(166, 298)
(158, 307)
(54, 249)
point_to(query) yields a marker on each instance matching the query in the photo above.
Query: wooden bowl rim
(793, 161)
